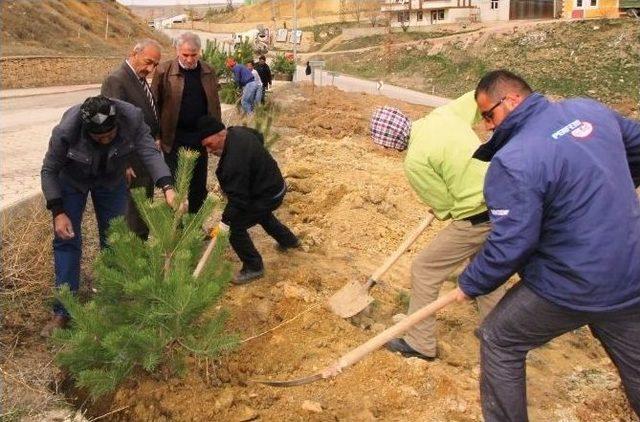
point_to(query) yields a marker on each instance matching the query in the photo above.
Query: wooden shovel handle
(207, 253)
(401, 249)
(390, 333)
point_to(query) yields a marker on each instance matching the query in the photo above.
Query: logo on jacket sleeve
(578, 129)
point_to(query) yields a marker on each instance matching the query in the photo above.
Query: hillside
(596, 58)
(309, 12)
(70, 27)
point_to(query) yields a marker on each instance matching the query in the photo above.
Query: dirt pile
(70, 27)
(352, 206)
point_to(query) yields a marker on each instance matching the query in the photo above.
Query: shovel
(374, 343)
(207, 253)
(354, 296)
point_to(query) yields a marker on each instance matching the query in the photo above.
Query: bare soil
(351, 205)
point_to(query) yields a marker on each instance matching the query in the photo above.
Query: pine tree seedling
(149, 312)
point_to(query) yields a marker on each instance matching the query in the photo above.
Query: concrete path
(27, 117)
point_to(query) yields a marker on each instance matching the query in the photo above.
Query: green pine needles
(149, 312)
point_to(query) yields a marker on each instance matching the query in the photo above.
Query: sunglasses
(488, 115)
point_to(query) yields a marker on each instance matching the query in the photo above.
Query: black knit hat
(98, 114)
(209, 125)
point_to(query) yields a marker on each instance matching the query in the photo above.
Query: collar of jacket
(510, 126)
(175, 68)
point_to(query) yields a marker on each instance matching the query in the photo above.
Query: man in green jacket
(440, 168)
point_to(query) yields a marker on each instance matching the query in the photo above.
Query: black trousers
(523, 321)
(132, 216)
(243, 245)
(198, 186)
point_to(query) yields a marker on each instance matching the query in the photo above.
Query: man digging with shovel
(254, 187)
(440, 168)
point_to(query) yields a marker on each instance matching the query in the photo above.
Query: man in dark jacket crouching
(251, 180)
(89, 151)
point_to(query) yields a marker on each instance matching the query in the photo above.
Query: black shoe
(246, 275)
(283, 249)
(402, 347)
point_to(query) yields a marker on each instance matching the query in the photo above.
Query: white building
(414, 13)
(167, 22)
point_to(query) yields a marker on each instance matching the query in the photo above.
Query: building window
(419, 15)
(403, 16)
(594, 3)
(441, 15)
(494, 4)
(578, 3)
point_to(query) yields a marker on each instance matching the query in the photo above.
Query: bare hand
(461, 296)
(129, 174)
(63, 227)
(169, 196)
(158, 144)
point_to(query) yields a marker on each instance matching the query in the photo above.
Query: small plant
(283, 65)
(151, 310)
(402, 300)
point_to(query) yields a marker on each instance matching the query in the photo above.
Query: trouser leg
(258, 96)
(245, 249)
(132, 216)
(521, 322)
(108, 204)
(619, 333)
(455, 243)
(278, 231)
(67, 253)
(198, 187)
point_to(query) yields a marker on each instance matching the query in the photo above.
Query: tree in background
(151, 309)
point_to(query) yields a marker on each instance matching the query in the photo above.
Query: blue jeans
(258, 97)
(249, 96)
(107, 204)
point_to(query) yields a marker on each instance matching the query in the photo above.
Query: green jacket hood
(464, 107)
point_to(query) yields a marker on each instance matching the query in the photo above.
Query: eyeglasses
(488, 115)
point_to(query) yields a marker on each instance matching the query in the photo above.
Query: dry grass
(29, 376)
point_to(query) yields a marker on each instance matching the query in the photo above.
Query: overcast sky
(172, 2)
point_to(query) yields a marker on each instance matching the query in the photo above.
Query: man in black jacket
(251, 180)
(129, 83)
(265, 75)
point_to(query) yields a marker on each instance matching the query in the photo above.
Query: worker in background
(246, 82)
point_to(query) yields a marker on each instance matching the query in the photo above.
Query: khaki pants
(451, 247)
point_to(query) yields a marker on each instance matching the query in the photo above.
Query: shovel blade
(350, 300)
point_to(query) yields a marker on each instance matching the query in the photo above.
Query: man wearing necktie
(129, 83)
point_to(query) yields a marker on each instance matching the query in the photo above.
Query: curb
(33, 92)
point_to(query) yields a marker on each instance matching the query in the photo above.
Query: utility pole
(295, 36)
(106, 27)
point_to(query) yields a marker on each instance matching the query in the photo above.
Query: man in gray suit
(129, 83)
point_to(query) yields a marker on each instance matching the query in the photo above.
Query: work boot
(402, 347)
(283, 249)
(58, 321)
(247, 275)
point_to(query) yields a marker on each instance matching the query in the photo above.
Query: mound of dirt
(352, 206)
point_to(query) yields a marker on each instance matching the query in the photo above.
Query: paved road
(351, 84)
(27, 117)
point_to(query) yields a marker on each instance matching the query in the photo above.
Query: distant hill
(70, 27)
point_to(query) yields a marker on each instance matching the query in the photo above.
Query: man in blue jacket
(246, 81)
(564, 216)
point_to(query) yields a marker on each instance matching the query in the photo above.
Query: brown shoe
(58, 321)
